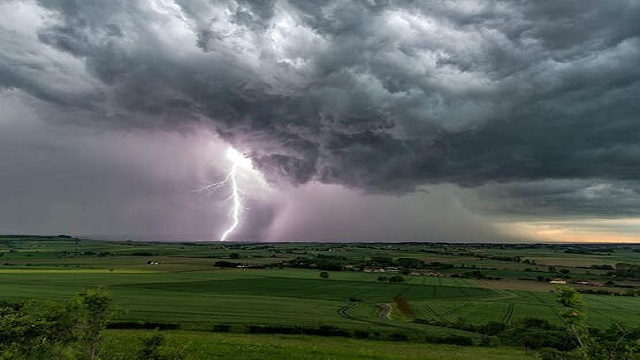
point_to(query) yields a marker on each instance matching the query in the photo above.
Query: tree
(96, 309)
(573, 314)
(617, 342)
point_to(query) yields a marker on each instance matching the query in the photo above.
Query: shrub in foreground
(49, 330)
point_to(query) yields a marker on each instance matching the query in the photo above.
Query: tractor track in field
(538, 298)
(343, 312)
(465, 296)
(464, 304)
(541, 301)
(603, 312)
(604, 315)
(601, 302)
(501, 294)
(438, 316)
(506, 319)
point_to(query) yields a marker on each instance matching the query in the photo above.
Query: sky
(473, 121)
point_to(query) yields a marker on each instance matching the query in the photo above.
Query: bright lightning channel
(238, 161)
(237, 202)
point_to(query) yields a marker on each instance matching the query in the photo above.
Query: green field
(258, 296)
(198, 345)
(185, 288)
(238, 296)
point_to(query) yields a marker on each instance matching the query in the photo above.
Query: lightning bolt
(237, 202)
(237, 160)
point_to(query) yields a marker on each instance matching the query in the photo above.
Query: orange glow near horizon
(578, 231)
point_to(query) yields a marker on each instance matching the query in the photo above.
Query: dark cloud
(378, 95)
(559, 199)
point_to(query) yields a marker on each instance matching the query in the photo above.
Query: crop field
(199, 286)
(232, 296)
(249, 296)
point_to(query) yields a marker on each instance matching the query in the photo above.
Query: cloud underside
(532, 103)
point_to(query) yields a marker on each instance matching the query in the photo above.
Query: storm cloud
(379, 96)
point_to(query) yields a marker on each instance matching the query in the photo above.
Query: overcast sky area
(471, 121)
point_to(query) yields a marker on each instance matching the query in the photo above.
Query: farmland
(439, 291)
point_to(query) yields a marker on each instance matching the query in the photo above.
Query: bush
(150, 348)
(327, 330)
(410, 262)
(143, 325)
(361, 334)
(492, 328)
(329, 265)
(154, 347)
(224, 263)
(324, 275)
(323, 330)
(36, 330)
(489, 341)
(221, 328)
(40, 330)
(141, 253)
(533, 338)
(398, 337)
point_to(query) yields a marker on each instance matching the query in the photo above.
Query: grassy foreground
(124, 344)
